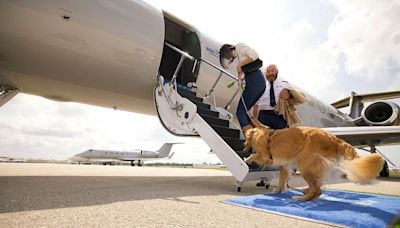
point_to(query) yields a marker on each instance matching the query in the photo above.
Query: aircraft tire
(385, 170)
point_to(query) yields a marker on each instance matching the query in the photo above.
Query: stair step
(243, 154)
(191, 97)
(215, 121)
(186, 91)
(254, 167)
(235, 143)
(201, 105)
(226, 132)
(202, 112)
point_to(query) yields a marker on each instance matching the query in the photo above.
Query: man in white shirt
(264, 108)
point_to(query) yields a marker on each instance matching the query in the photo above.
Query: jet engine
(381, 113)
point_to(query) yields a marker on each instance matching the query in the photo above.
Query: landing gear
(262, 183)
(132, 163)
(140, 163)
(385, 170)
(238, 186)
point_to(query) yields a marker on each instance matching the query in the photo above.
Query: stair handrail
(184, 56)
(221, 72)
(211, 91)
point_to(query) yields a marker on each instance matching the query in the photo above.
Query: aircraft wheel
(385, 170)
(261, 183)
(239, 189)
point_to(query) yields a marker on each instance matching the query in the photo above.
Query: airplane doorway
(184, 37)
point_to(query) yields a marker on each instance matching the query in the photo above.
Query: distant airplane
(11, 159)
(111, 156)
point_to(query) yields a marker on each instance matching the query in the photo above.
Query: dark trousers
(271, 119)
(255, 87)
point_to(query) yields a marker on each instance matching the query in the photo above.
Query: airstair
(185, 112)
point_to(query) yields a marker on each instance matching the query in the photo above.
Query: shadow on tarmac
(26, 193)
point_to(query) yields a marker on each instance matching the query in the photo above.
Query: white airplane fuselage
(109, 53)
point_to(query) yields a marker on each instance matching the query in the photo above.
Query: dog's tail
(359, 170)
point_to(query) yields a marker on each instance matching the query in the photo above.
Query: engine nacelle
(381, 113)
(148, 154)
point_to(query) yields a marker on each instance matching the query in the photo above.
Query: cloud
(367, 33)
(305, 61)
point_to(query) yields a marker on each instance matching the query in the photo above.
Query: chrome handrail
(211, 91)
(220, 69)
(227, 106)
(180, 51)
(178, 67)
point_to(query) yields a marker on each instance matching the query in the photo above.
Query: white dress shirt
(243, 52)
(264, 102)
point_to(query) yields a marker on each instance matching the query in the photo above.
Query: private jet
(111, 157)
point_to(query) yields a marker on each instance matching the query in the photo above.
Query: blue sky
(329, 48)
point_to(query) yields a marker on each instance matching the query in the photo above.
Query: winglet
(165, 149)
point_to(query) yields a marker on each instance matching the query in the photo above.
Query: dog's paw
(278, 190)
(270, 162)
(299, 198)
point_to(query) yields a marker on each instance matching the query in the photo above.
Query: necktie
(272, 101)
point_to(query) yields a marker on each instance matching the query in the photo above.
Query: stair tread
(190, 96)
(226, 131)
(187, 91)
(202, 105)
(207, 112)
(211, 120)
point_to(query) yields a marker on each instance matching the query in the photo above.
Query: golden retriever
(314, 152)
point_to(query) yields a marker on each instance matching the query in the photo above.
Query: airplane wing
(365, 136)
(367, 97)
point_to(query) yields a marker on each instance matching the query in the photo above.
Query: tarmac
(66, 195)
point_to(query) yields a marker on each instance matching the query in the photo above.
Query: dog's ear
(249, 135)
